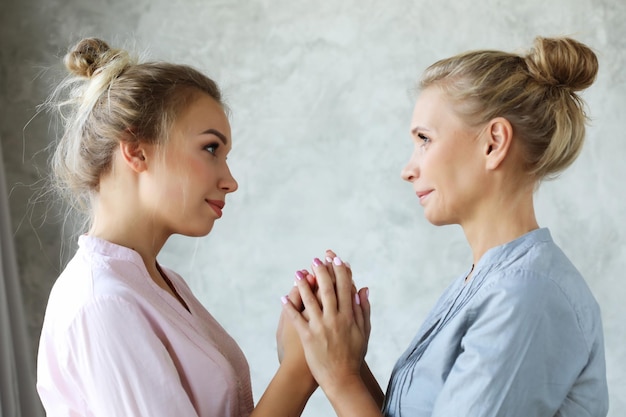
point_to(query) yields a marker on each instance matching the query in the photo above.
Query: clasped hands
(324, 327)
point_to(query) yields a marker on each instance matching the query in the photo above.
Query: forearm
(286, 395)
(372, 385)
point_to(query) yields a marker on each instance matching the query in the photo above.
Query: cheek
(449, 171)
(437, 165)
(196, 167)
(175, 182)
(187, 171)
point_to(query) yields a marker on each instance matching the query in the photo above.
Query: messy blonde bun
(536, 92)
(563, 63)
(89, 56)
(107, 98)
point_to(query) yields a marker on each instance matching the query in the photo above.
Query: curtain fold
(18, 396)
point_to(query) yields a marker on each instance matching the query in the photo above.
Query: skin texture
(445, 167)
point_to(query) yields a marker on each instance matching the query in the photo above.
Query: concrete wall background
(321, 94)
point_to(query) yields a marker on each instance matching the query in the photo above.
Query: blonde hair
(535, 92)
(107, 98)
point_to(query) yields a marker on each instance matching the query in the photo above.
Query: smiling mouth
(423, 194)
(217, 206)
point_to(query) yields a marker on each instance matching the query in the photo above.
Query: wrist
(300, 379)
(338, 387)
(351, 397)
(287, 393)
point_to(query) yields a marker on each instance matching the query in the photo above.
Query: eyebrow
(217, 133)
(417, 129)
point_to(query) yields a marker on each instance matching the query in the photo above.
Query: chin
(198, 231)
(437, 220)
(205, 232)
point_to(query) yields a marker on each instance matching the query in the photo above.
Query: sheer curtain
(18, 397)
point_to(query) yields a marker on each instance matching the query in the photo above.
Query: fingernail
(367, 293)
(299, 275)
(317, 262)
(347, 264)
(284, 299)
(329, 259)
(357, 299)
(337, 261)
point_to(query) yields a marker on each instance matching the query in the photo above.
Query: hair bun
(86, 57)
(562, 62)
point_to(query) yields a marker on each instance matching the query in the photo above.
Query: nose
(410, 172)
(228, 183)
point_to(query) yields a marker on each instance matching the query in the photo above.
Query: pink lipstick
(217, 206)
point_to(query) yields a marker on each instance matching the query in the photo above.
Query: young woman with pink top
(143, 154)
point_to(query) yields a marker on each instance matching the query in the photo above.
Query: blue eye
(212, 148)
(425, 141)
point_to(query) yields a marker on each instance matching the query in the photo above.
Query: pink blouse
(115, 344)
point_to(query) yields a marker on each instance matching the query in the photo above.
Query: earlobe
(499, 138)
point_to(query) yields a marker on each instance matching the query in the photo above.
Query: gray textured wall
(321, 98)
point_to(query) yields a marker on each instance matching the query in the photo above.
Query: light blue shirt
(522, 338)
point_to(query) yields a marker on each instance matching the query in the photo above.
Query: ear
(134, 155)
(498, 142)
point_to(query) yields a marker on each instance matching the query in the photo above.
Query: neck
(120, 218)
(500, 222)
(123, 226)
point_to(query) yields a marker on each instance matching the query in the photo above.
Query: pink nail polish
(337, 261)
(299, 275)
(317, 262)
(284, 299)
(357, 299)
(329, 259)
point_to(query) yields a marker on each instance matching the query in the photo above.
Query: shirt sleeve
(520, 355)
(119, 366)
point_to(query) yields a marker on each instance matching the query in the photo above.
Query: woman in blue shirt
(519, 333)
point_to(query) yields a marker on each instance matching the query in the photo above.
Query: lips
(217, 206)
(423, 194)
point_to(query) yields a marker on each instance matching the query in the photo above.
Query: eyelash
(213, 146)
(424, 138)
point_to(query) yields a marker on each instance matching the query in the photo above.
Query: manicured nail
(347, 264)
(367, 293)
(357, 299)
(329, 259)
(284, 299)
(317, 262)
(299, 275)
(337, 261)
